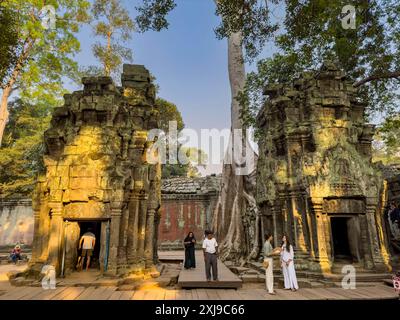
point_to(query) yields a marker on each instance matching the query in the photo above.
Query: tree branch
(387, 75)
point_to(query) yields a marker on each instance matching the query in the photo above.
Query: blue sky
(189, 63)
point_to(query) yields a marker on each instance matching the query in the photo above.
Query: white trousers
(269, 275)
(289, 275)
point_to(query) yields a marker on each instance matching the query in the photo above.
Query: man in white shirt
(210, 249)
(86, 243)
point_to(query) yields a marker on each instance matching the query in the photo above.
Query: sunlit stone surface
(315, 179)
(97, 170)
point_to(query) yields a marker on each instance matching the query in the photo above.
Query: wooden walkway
(380, 292)
(196, 278)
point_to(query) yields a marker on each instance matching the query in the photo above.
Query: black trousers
(190, 260)
(211, 263)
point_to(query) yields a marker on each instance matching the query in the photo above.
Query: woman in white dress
(287, 257)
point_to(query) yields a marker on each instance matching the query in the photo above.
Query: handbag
(265, 264)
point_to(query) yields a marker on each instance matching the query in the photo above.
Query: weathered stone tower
(98, 174)
(315, 179)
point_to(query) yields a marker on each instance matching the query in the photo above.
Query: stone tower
(98, 174)
(315, 179)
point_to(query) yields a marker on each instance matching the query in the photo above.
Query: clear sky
(189, 63)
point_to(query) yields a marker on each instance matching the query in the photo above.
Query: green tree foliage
(169, 112)
(9, 45)
(46, 54)
(22, 149)
(313, 32)
(387, 141)
(152, 14)
(114, 25)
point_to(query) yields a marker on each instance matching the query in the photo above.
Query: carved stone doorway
(341, 249)
(74, 230)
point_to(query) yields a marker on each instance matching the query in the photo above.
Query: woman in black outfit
(189, 242)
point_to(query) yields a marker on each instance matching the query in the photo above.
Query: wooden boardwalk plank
(202, 294)
(17, 293)
(126, 295)
(106, 293)
(138, 295)
(86, 295)
(170, 294)
(48, 294)
(74, 293)
(116, 295)
(196, 278)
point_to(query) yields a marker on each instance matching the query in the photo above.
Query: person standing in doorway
(86, 243)
(210, 249)
(268, 253)
(189, 242)
(287, 262)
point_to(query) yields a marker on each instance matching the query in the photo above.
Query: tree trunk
(234, 201)
(8, 88)
(4, 110)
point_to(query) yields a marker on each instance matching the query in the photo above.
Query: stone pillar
(373, 237)
(321, 254)
(114, 238)
(368, 264)
(148, 251)
(56, 235)
(37, 244)
(299, 237)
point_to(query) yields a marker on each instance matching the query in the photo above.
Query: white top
(88, 238)
(286, 256)
(210, 245)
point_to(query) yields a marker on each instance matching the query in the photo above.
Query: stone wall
(315, 179)
(98, 169)
(16, 222)
(187, 205)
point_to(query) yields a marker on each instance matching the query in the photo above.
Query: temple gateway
(98, 176)
(315, 179)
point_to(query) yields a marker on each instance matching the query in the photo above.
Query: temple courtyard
(91, 286)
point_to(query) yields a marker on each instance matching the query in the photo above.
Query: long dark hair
(288, 242)
(188, 237)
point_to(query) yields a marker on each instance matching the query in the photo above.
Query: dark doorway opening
(95, 228)
(340, 239)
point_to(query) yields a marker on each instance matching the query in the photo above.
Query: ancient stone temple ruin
(315, 179)
(98, 175)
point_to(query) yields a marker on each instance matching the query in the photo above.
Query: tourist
(86, 243)
(268, 264)
(394, 219)
(16, 254)
(210, 249)
(287, 262)
(189, 242)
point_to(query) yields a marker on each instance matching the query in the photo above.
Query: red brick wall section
(178, 217)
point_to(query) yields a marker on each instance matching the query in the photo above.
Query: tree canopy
(22, 150)
(9, 45)
(115, 26)
(313, 32)
(46, 55)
